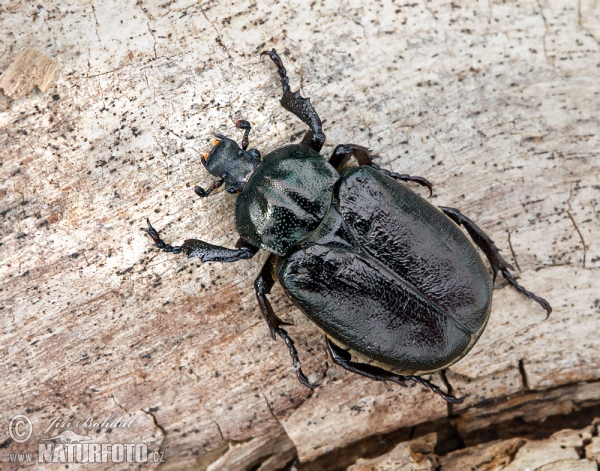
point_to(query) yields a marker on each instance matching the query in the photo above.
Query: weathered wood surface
(495, 103)
(562, 451)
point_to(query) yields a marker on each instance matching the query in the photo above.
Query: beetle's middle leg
(493, 254)
(262, 286)
(298, 105)
(343, 358)
(203, 250)
(343, 152)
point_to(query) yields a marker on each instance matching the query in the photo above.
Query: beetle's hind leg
(343, 358)
(493, 254)
(298, 105)
(262, 285)
(203, 250)
(343, 152)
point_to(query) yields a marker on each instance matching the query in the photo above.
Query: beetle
(389, 278)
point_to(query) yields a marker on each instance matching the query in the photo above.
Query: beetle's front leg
(343, 358)
(203, 250)
(493, 254)
(298, 105)
(262, 285)
(343, 152)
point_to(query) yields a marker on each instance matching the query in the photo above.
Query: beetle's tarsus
(541, 301)
(158, 242)
(492, 253)
(344, 359)
(363, 156)
(296, 360)
(436, 389)
(404, 177)
(298, 105)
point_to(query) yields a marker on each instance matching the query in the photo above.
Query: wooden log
(496, 104)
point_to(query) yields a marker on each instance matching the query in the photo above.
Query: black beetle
(388, 277)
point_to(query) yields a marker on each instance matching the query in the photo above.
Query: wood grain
(496, 104)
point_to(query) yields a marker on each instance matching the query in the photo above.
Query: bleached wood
(495, 103)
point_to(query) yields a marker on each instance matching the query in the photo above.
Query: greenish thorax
(285, 199)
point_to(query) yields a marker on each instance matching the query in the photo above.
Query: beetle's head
(228, 161)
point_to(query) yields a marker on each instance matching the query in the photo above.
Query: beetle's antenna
(202, 193)
(246, 126)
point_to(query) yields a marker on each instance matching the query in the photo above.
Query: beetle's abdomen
(285, 199)
(418, 242)
(409, 293)
(370, 310)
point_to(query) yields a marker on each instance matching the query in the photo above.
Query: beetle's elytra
(389, 278)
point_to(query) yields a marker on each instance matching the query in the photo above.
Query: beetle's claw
(272, 54)
(545, 304)
(152, 232)
(541, 301)
(276, 59)
(304, 380)
(452, 399)
(158, 242)
(423, 182)
(436, 389)
(420, 181)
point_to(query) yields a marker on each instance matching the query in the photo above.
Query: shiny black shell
(285, 199)
(390, 278)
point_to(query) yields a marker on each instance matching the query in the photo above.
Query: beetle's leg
(262, 286)
(294, 354)
(405, 178)
(202, 193)
(343, 358)
(493, 254)
(246, 126)
(343, 152)
(299, 106)
(203, 250)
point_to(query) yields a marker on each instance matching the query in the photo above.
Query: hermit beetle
(389, 278)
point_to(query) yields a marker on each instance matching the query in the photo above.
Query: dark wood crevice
(449, 438)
